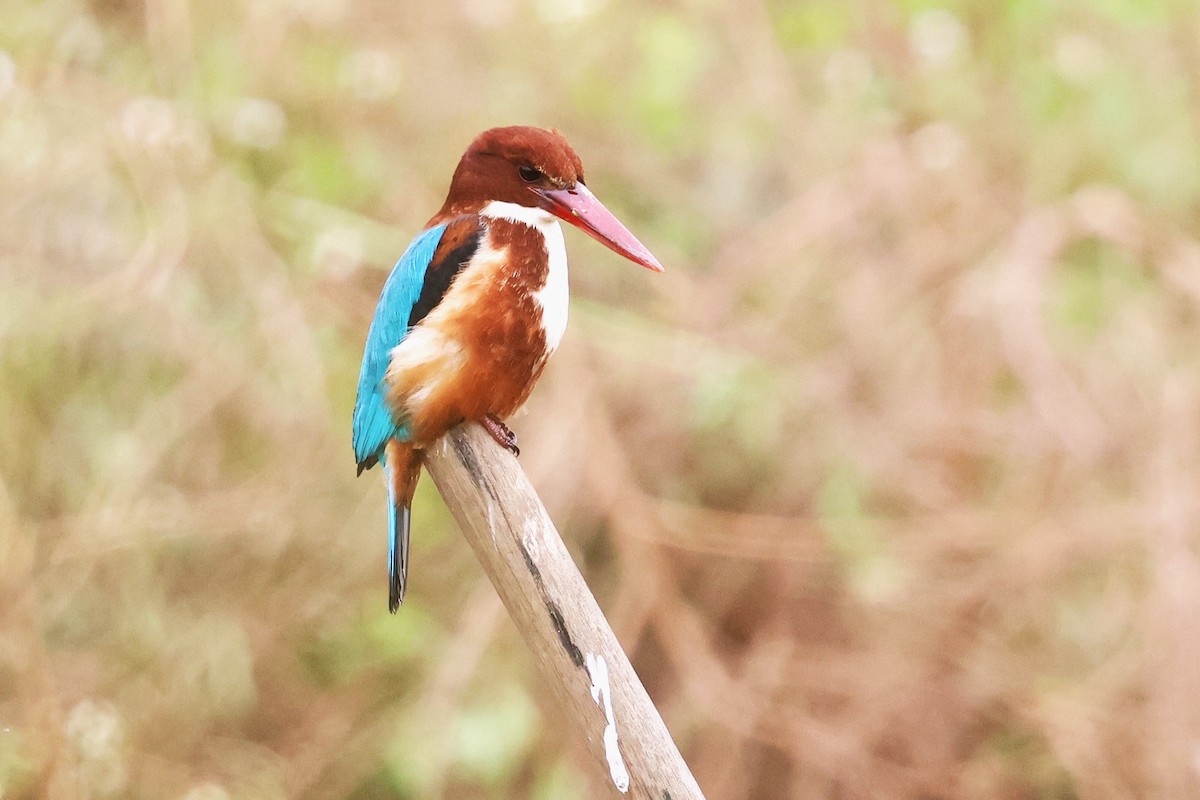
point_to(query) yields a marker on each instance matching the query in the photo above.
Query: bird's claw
(502, 434)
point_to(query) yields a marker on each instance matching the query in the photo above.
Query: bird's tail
(403, 470)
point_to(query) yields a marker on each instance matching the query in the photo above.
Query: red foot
(501, 433)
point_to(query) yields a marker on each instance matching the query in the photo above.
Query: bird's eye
(529, 174)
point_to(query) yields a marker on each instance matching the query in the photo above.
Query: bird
(472, 311)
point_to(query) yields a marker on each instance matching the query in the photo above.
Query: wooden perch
(521, 551)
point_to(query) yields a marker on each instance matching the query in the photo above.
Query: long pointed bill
(580, 207)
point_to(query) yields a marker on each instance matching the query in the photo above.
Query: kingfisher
(473, 309)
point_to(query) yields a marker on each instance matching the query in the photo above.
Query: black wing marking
(459, 243)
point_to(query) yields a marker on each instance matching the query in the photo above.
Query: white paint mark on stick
(602, 694)
(491, 519)
(532, 539)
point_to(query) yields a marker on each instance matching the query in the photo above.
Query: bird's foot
(501, 433)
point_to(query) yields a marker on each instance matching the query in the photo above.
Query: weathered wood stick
(522, 553)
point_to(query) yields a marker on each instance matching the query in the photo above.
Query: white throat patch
(554, 296)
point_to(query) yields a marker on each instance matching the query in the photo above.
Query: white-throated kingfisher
(473, 310)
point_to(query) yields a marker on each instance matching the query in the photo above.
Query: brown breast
(481, 350)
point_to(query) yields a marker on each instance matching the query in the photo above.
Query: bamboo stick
(520, 550)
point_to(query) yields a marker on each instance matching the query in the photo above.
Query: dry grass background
(889, 485)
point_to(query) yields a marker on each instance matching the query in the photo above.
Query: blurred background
(888, 485)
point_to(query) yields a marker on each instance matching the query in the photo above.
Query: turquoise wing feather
(374, 424)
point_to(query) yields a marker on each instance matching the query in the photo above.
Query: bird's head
(537, 168)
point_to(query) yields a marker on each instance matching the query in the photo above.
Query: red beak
(580, 207)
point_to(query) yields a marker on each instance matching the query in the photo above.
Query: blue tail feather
(399, 519)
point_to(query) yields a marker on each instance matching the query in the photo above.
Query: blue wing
(373, 421)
